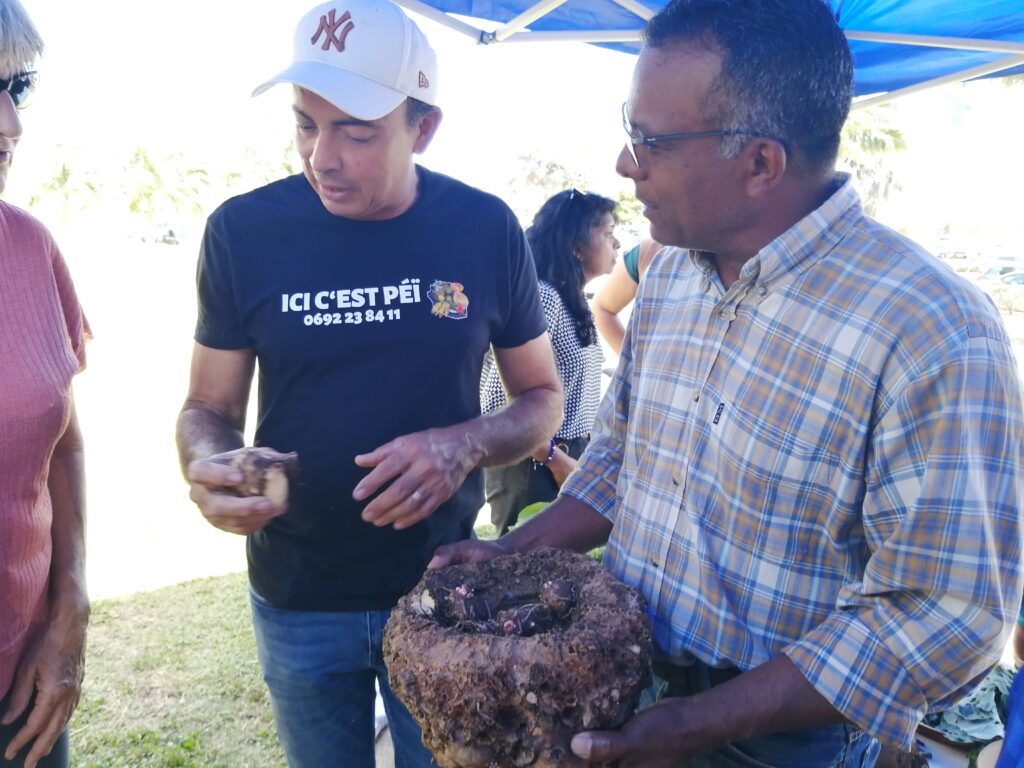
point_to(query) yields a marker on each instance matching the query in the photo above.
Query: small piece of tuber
(265, 472)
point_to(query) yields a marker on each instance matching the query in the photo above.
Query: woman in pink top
(43, 604)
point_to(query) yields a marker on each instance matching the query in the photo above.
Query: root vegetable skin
(487, 695)
(265, 472)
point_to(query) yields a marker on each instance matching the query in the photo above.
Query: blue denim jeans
(834, 746)
(320, 669)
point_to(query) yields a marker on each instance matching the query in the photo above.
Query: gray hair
(20, 43)
(786, 71)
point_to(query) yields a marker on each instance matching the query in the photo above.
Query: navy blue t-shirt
(363, 331)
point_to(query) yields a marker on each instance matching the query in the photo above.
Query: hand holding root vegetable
(241, 491)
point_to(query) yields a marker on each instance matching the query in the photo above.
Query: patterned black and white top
(579, 368)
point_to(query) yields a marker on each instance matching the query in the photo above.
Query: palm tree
(166, 189)
(69, 191)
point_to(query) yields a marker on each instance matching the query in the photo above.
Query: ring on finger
(417, 496)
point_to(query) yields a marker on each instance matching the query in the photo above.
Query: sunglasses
(567, 201)
(20, 87)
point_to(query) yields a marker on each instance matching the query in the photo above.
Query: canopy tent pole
(636, 8)
(953, 77)
(528, 16)
(443, 18)
(931, 41)
(604, 36)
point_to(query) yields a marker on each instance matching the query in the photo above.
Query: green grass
(172, 680)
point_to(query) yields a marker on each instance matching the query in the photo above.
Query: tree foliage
(868, 142)
(165, 188)
(538, 179)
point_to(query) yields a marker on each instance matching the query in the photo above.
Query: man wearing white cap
(368, 289)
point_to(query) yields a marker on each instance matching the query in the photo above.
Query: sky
(177, 78)
(117, 72)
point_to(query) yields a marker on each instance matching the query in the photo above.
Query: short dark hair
(786, 70)
(562, 224)
(416, 110)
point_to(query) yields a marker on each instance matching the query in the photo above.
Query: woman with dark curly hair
(573, 241)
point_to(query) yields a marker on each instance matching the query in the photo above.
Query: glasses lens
(630, 136)
(21, 89)
(631, 149)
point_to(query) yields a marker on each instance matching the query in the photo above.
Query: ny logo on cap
(329, 26)
(424, 83)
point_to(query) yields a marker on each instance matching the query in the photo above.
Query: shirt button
(727, 313)
(696, 397)
(762, 290)
(675, 479)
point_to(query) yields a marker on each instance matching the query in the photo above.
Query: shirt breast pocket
(773, 487)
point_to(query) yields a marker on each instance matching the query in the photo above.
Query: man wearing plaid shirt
(810, 457)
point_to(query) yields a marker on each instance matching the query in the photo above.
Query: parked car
(994, 274)
(1013, 278)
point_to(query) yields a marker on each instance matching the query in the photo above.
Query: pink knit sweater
(42, 345)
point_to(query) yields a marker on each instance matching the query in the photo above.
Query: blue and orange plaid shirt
(823, 461)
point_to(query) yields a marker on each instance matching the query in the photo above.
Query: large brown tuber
(502, 662)
(265, 472)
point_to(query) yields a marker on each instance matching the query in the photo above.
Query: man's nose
(326, 155)
(10, 121)
(626, 166)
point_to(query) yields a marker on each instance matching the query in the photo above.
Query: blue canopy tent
(899, 46)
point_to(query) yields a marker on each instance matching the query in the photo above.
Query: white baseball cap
(363, 56)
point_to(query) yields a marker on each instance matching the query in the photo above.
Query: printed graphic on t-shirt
(352, 306)
(448, 299)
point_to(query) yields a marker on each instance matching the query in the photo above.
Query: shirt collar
(803, 244)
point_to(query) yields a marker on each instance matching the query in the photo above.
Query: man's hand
(424, 469)
(52, 667)
(210, 477)
(648, 740)
(468, 551)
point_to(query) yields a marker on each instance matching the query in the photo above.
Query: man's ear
(426, 129)
(766, 163)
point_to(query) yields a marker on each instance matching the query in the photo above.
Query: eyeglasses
(21, 87)
(636, 138)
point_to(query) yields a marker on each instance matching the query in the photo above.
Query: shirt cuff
(849, 666)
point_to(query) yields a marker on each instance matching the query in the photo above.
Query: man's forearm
(202, 431)
(567, 523)
(513, 432)
(772, 698)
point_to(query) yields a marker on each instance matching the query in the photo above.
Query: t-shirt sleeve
(74, 318)
(219, 323)
(525, 316)
(631, 261)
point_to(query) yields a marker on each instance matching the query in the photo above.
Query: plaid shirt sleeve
(596, 475)
(942, 519)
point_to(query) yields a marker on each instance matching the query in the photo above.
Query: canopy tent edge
(911, 79)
